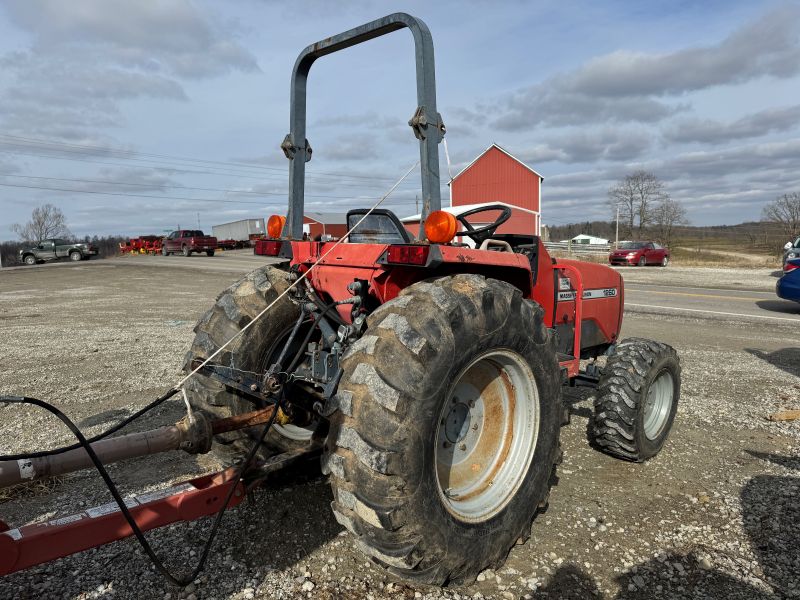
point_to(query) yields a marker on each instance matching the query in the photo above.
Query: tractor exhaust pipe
(194, 435)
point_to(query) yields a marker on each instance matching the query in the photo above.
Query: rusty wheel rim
(486, 435)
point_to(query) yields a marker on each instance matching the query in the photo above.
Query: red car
(639, 253)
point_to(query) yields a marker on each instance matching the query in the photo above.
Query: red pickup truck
(187, 241)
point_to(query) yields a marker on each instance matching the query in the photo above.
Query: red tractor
(428, 372)
(428, 375)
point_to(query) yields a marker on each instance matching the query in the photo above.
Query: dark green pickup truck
(54, 249)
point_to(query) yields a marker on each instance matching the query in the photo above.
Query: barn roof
(325, 218)
(504, 151)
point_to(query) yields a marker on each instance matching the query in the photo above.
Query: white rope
(447, 155)
(295, 282)
(189, 412)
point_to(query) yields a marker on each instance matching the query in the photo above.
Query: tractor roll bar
(426, 122)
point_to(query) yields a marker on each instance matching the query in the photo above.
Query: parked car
(639, 253)
(54, 249)
(791, 250)
(187, 241)
(788, 286)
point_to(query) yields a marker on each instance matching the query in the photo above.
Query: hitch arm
(38, 543)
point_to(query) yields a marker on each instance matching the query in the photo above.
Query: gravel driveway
(714, 515)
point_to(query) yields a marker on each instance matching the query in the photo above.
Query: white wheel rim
(486, 435)
(658, 405)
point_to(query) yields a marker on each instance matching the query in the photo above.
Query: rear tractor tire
(637, 398)
(252, 351)
(444, 444)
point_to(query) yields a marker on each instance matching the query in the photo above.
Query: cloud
(708, 131)
(627, 86)
(767, 47)
(171, 36)
(86, 58)
(584, 146)
(549, 104)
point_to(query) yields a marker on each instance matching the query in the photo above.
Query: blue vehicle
(788, 286)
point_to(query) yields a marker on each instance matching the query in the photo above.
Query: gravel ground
(714, 515)
(759, 279)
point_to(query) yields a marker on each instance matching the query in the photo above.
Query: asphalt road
(710, 303)
(692, 300)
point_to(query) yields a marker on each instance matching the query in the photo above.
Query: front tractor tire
(444, 444)
(636, 401)
(252, 351)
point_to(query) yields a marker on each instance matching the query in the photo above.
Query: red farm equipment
(427, 374)
(144, 244)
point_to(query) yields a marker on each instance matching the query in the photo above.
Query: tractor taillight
(408, 255)
(270, 247)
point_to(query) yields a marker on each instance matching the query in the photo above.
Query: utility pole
(416, 203)
(198, 220)
(616, 237)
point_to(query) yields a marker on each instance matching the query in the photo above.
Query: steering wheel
(483, 233)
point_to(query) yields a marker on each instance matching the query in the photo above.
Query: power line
(131, 154)
(179, 187)
(195, 172)
(172, 169)
(220, 200)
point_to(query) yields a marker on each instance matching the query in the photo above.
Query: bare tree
(785, 211)
(46, 222)
(667, 215)
(636, 196)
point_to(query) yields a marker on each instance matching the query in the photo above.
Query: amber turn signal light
(440, 227)
(275, 226)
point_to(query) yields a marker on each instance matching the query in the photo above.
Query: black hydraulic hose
(292, 335)
(321, 304)
(86, 445)
(301, 351)
(125, 422)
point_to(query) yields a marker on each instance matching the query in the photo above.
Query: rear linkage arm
(315, 362)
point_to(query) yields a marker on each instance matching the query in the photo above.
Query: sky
(140, 117)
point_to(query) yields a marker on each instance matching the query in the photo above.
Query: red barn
(328, 225)
(498, 176)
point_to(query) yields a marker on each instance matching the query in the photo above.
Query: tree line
(47, 222)
(641, 204)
